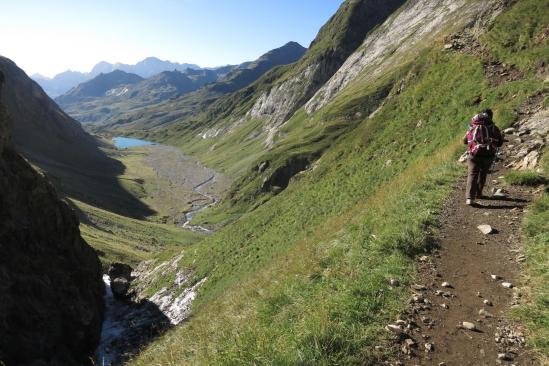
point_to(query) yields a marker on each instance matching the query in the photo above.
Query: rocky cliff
(50, 280)
(334, 43)
(41, 131)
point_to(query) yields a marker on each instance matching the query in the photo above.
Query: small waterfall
(111, 329)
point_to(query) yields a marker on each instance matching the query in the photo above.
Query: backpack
(480, 139)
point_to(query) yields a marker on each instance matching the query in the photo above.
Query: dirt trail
(466, 259)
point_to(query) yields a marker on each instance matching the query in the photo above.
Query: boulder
(120, 287)
(121, 276)
(120, 270)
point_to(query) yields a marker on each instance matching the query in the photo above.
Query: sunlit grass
(535, 313)
(302, 278)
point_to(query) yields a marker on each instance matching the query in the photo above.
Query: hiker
(483, 140)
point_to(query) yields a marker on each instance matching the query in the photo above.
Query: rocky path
(468, 285)
(470, 281)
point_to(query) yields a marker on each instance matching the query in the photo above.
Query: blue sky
(50, 36)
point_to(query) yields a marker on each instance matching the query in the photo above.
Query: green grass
(524, 178)
(535, 313)
(518, 35)
(302, 277)
(122, 239)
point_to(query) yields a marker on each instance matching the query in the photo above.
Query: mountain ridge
(61, 83)
(208, 85)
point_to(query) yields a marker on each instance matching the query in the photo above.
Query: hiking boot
(469, 202)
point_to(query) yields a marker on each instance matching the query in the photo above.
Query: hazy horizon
(62, 35)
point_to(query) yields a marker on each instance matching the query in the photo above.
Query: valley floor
(164, 180)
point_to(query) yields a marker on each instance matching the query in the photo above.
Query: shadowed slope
(49, 138)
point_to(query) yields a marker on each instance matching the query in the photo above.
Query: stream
(127, 326)
(111, 329)
(195, 210)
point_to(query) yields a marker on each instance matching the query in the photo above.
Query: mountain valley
(304, 208)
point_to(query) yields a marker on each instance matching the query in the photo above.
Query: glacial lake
(126, 142)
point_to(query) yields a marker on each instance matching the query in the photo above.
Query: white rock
(446, 284)
(468, 325)
(495, 277)
(499, 194)
(487, 302)
(485, 229)
(507, 284)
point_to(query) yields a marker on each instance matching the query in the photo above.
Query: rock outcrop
(51, 292)
(403, 36)
(133, 318)
(338, 39)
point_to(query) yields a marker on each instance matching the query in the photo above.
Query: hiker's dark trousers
(478, 169)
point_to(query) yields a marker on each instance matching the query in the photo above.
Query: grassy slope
(119, 238)
(536, 238)
(303, 278)
(122, 239)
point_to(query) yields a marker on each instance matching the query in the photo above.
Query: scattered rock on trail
(485, 229)
(484, 313)
(505, 357)
(499, 193)
(507, 284)
(488, 302)
(446, 284)
(419, 287)
(468, 325)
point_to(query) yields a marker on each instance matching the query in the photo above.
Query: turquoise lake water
(125, 142)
